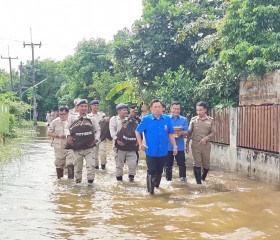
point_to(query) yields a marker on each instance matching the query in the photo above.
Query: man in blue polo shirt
(157, 129)
(180, 125)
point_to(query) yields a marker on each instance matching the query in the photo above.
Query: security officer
(87, 154)
(74, 111)
(63, 157)
(101, 147)
(133, 113)
(201, 131)
(122, 156)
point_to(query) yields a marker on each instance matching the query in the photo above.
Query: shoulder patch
(194, 118)
(210, 118)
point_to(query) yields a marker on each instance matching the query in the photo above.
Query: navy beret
(133, 107)
(94, 102)
(82, 101)
(121, 106)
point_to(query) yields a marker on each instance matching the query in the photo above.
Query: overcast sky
(60, 25)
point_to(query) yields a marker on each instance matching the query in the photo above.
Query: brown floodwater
(34, 205)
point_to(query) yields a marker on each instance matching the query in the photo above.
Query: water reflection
(34, 205)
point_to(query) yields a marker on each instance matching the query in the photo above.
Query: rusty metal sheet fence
(258, 127)
(222, 125)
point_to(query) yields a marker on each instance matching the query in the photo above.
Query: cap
(94, 102)
(121, 106)
(82, 101)
(134, 107)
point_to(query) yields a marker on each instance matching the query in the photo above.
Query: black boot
(103, 167)
(131, 178)
(151, 184)
(70, 171)
(157, 180)
(204, 174)
(59, 173)
(197, 174)
(119, 178)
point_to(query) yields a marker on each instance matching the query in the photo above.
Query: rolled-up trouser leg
(169, 165)
(103, 152)
(121, 155)
(78, 167)
(88, 153)
(131, 160)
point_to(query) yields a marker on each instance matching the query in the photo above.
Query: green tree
(250, 36)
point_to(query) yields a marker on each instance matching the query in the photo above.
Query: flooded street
(35, 205)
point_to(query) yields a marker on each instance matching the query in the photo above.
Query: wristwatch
(175, 147)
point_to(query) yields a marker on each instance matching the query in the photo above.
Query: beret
(133, 107)
(82, 101)
(94, 102)
(121, 106)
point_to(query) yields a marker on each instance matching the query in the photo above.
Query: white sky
(60, 25)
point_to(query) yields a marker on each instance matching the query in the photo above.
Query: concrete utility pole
(10, 64)
(20, 87)
(32, 45)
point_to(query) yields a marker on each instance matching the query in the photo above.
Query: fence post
(233, 112)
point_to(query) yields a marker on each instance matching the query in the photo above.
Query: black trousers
(181, 162)
(155, 165)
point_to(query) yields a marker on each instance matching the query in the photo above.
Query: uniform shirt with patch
(201, 127)
(97, 116)
(114, 125)
(58, 127)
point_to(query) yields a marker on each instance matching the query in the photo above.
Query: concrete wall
(259, 165)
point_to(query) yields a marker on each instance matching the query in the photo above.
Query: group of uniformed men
(162, 137)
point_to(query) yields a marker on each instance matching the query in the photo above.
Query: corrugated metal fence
(258, 127)
(221, 121)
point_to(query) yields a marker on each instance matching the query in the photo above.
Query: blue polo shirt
(156, 134)
(176, 122)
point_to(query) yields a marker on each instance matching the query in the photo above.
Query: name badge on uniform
(165, 128)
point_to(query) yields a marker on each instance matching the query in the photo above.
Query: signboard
(4, 118)
(260, 92)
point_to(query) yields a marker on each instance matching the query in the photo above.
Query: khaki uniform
(100, 151)
(122, 156)
(63, 157)
(201, 128)
(87, 154)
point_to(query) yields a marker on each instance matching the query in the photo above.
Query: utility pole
(32, 45)
(20, 87)
(10, 64)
